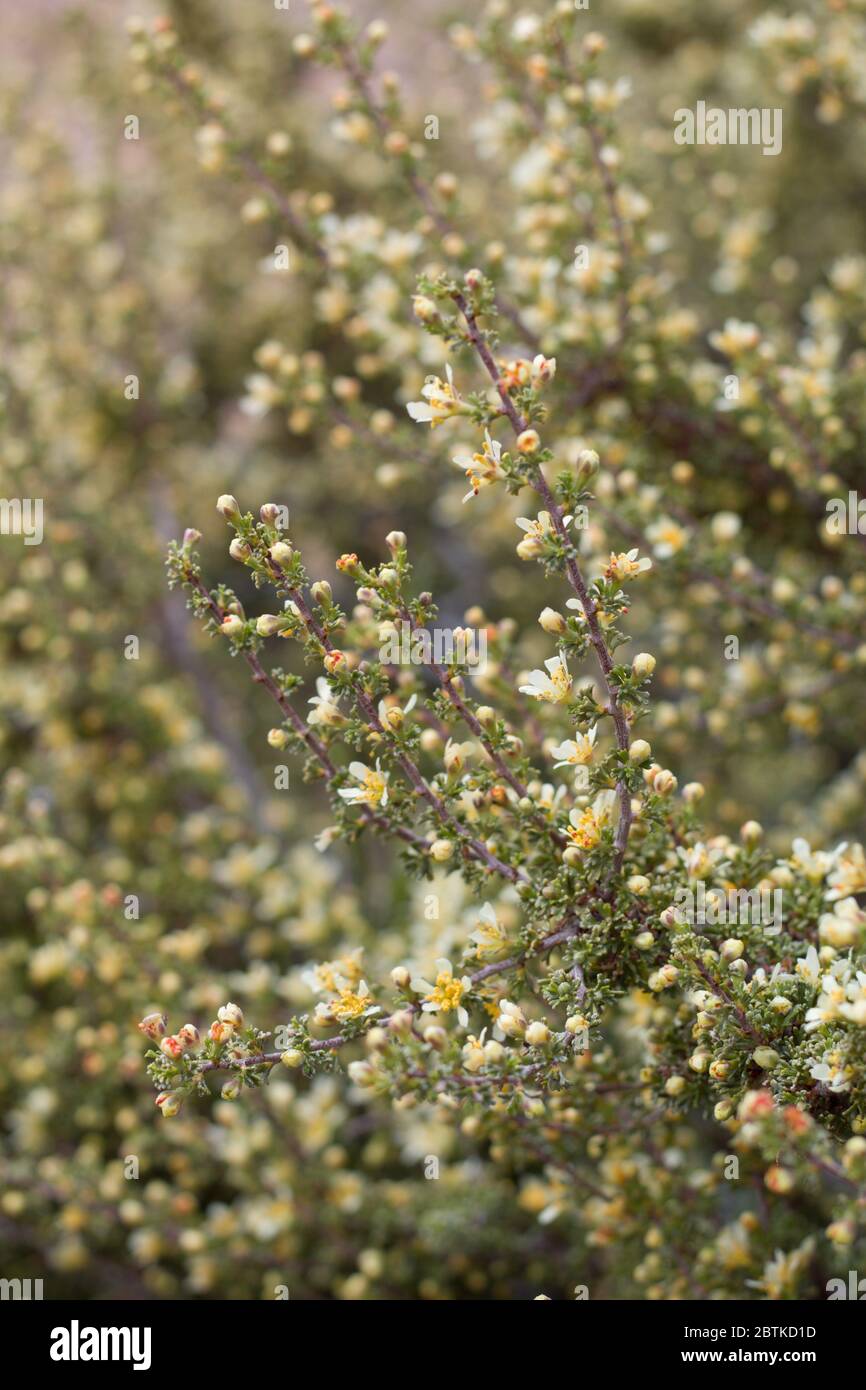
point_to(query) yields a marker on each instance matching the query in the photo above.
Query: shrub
(580, 1025)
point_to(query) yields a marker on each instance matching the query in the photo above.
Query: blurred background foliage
(152, 777)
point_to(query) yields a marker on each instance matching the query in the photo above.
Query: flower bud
(294, 1057)
(552, 622)
(664, 978)
(281, 553)
(644, 940)
(441, 850)
(362, 1073)
(424, 309)
(191, 537)
(511, 1020)
(268, 624)
(396, 540)
(587, 467)
(153, 1026)
(766, 1057)
(232, 625)
(528, 442)
(321, 591)
(231, 1013)
(841, 1232)
(675, 1085)
(401, 1021)
(189, 1035)
(228, 507)
(537, 1034)
(731, 949)
(751, 832)
(639, 751)
(400, 977)
(754, 1105)
(693, 791)
(277, 738)
(664, 782)
(231, 1089)
(239, 550)
(643, 665)
(779, 1180)
(169, 1103)
(268, 513)
(171, 1047)
(528, 548)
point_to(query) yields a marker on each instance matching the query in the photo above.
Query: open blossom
(844, 926)
(603, 618)
(814, 864)
(782, 1272)
(668, 537)
(392, 715)
(577, 751)
(445, 994)
(537, 532)
(554, 687)
(700, 860)
(331, 975)
(441, 401)
(586, 826)
(848, 875)
(347, 1005)
(372, 789)
(489, 936)
(455, 755)
(484, 468)
(263, 393)
(548, 798)
(325, 709)
(809, 968)
(736, 337)
(626, 565)
(833, 1072)
(840, 988)
(473, 1052)
(543, 369)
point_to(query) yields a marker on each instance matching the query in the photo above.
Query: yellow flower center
(587, 832)
(349, 1005)
(447, 994)
(374, 787)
